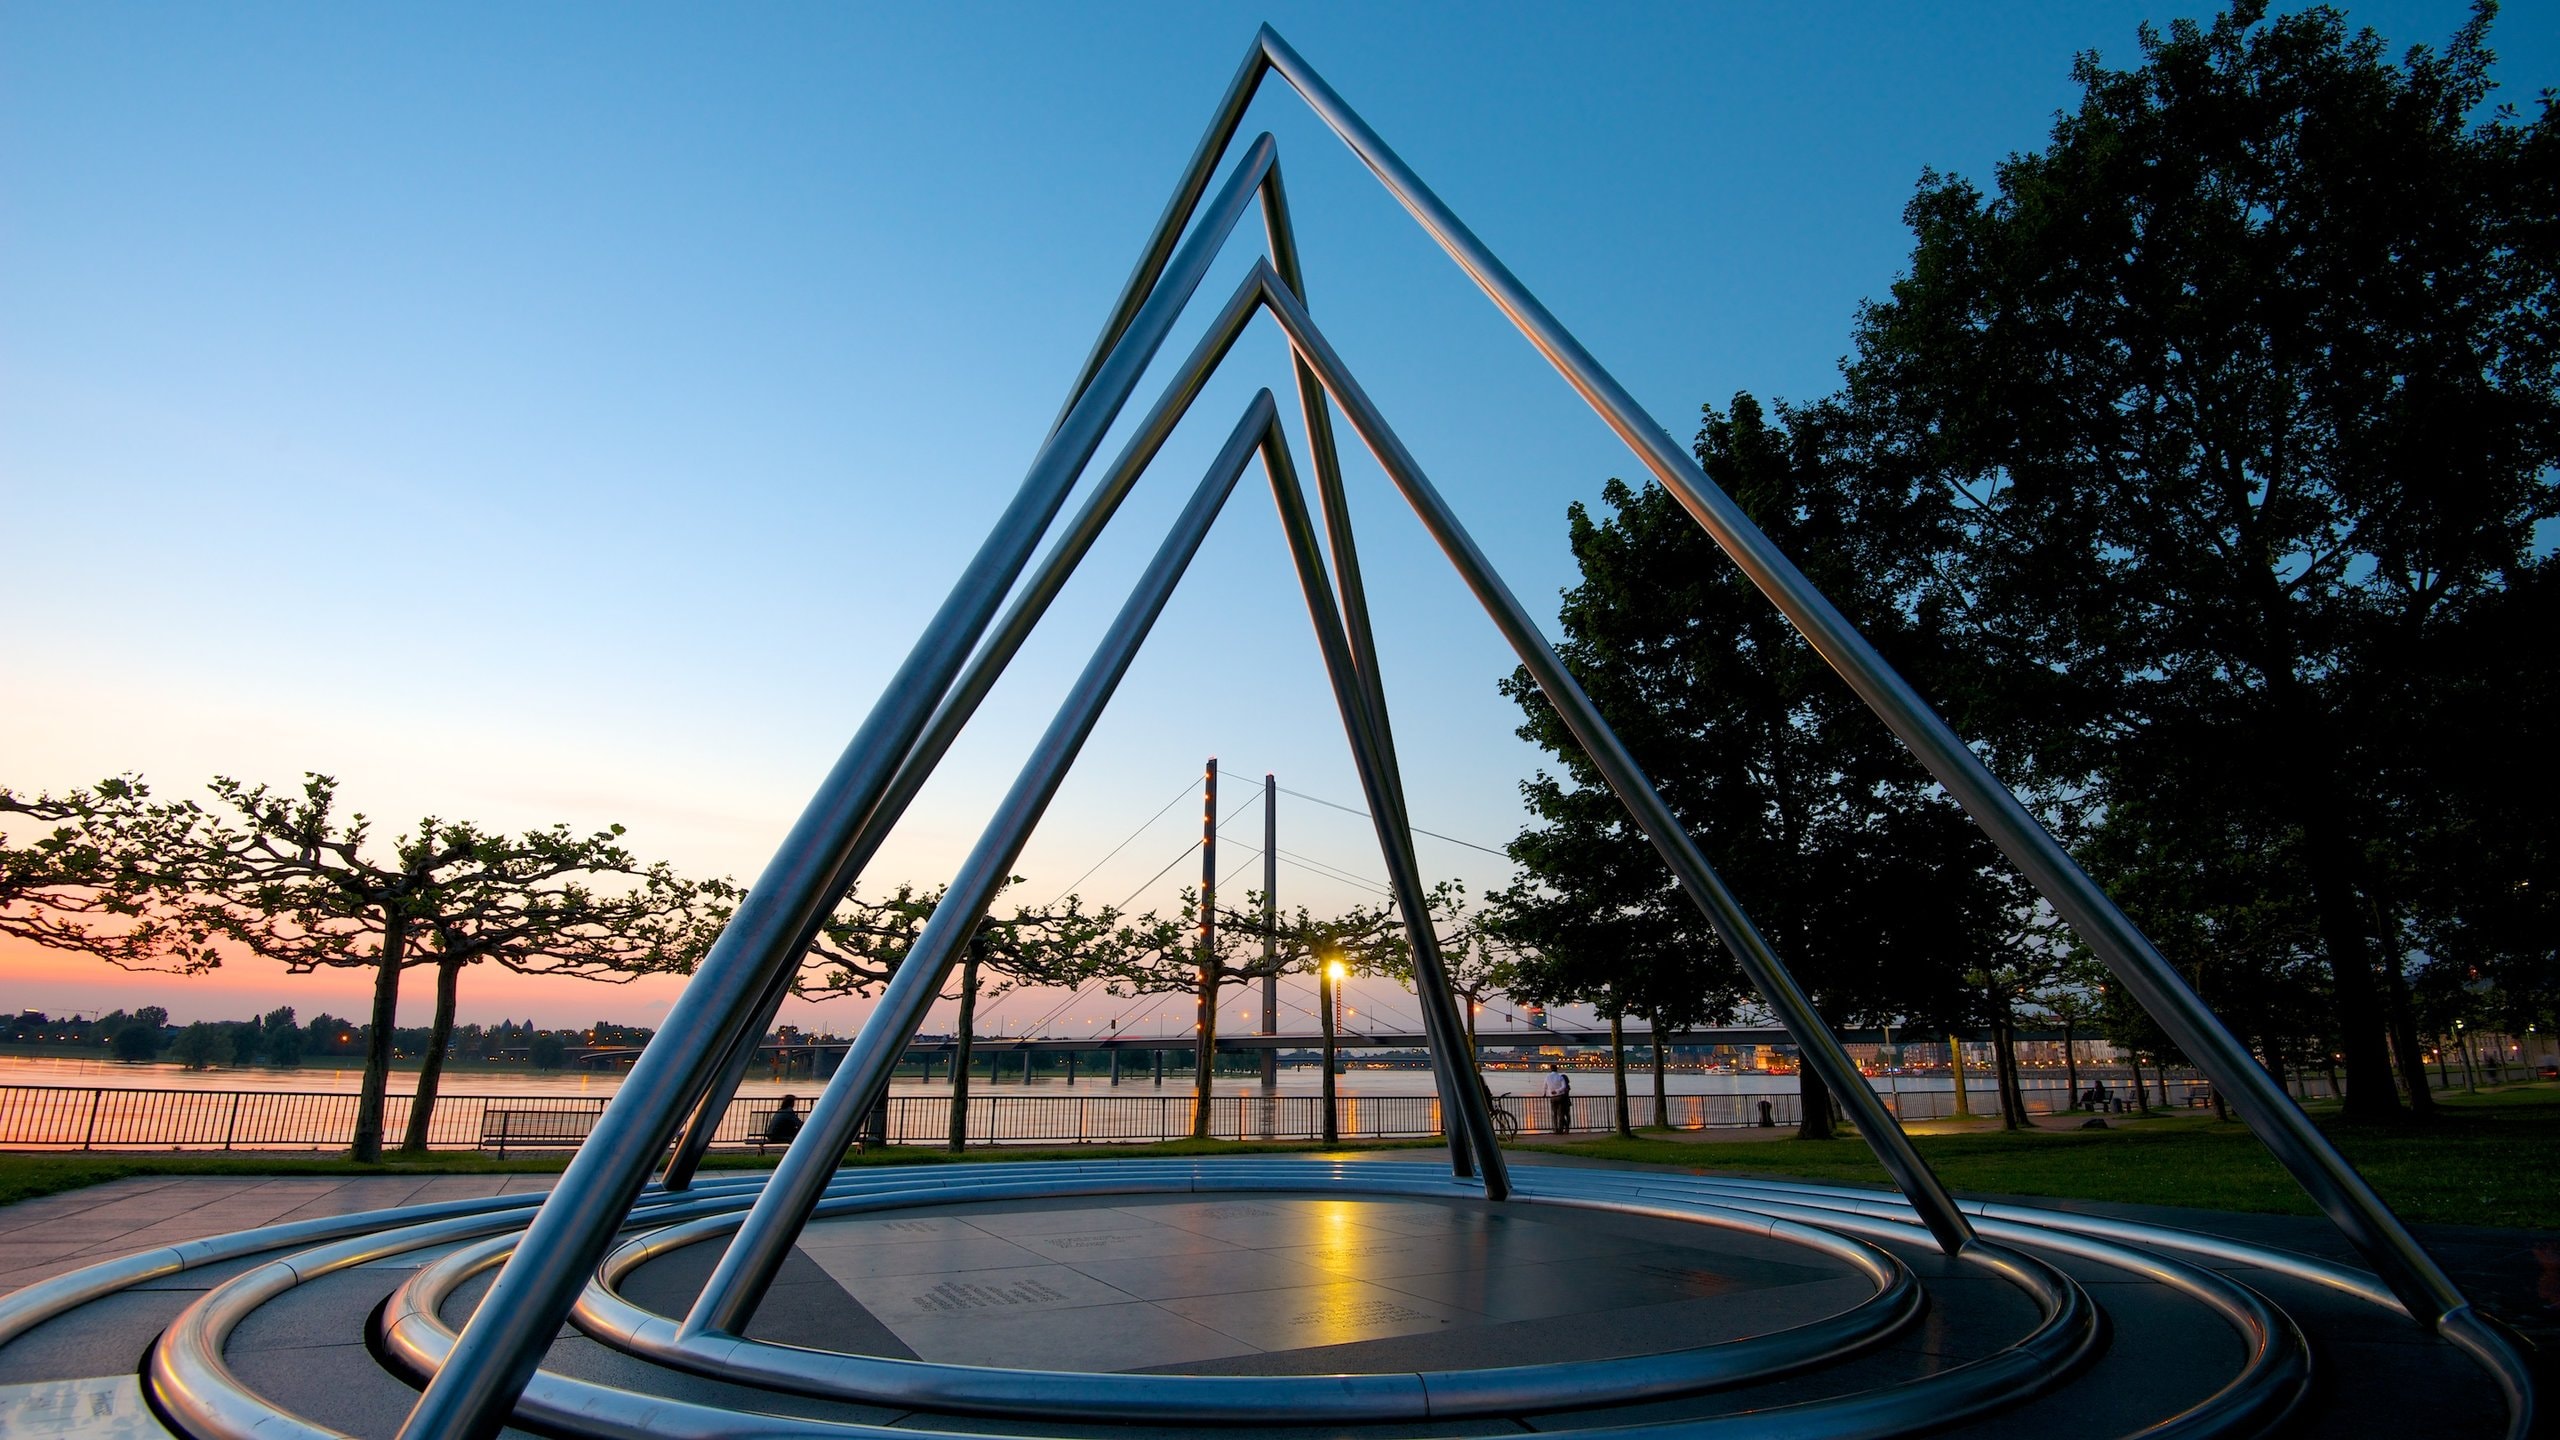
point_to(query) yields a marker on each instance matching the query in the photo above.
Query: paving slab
(104, 1337)
(98, 1408)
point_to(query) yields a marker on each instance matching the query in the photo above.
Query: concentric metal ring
(195, 1388)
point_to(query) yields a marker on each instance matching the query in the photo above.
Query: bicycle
(1506, 1126)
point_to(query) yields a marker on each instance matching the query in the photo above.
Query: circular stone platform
(1271, 1296)
(1272, 1284)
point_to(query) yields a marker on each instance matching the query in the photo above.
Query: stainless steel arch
(2424, 1289)
(492, 1360)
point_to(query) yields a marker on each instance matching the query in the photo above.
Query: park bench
(535, 1129)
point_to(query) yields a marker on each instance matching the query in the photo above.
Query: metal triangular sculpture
(684, 1081)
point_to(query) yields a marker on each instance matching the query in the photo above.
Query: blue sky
(571, 413)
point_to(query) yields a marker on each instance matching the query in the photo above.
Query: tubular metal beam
(986, 667)
(694, 1140)
(747, 1267)
(493, 1358)
(498, 1351)
(1470, 1123)
(1325, 458)
(2350, 1203)
(2429, 1294)
(1706, 889)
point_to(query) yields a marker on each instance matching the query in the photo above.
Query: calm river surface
(44, 1070)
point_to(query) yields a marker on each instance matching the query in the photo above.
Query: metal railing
(53, 1117)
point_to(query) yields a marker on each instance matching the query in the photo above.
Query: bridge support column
(1115, 1064)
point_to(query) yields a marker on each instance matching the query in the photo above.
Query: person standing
(1560, 1099)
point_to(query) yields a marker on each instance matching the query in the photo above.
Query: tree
(201, 1046)
(1153, 956)
(2470, 894)
(2238, 390)
(2069, 1002)
(281, 1040)
(135, 1041)
(94, 883)
(281, 876)
(1477, 958)
(528, 904)
(864, 942)
(1567, 952)
(548, 1051)
(1873, 889)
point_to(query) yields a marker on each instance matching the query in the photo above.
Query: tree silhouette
(1875, 891)
(1153, 956)
(98, 881)
(282, 876)
(864, 942)
(2233, 403)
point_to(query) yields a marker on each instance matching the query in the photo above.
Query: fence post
(231, 1127)
(95, 1098)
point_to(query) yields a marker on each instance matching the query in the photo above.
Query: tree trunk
(431, 1069)
(2309, 763)
(2004, 1071)
(2404, 1038)
(1618, 1073)
(960, 1047)
(2141, 1092)
(2273, 1053)
(2362, 1026)
(1813, 1104)
(1204, 1056)
(2070, 1064)
(1661, 1087)
(1955, 1068)
(367, 1149)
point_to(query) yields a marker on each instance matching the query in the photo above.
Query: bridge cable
(1177, 799)
(1363, 814)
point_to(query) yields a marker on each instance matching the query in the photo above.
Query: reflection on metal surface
(476, 1378)
(194, 1384)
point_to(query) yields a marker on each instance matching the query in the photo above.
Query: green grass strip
(2486, 1160)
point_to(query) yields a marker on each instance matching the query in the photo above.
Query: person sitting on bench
(785, 1122)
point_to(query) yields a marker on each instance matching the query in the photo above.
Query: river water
(1303, 1080)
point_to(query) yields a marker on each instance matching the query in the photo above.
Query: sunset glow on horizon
(535, 417)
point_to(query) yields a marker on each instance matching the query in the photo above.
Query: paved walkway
(44, 1237)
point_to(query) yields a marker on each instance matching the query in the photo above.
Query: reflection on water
(1518, 1085)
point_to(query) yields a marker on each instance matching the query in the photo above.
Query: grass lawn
(2490, 1159)
(24, 1175)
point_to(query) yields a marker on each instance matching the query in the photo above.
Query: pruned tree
(1475, 955)
(530, 905)
(864, 942)
(282, 876)
(98, 880)
(1153, 956)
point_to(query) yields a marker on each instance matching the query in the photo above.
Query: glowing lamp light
(1334, 970)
